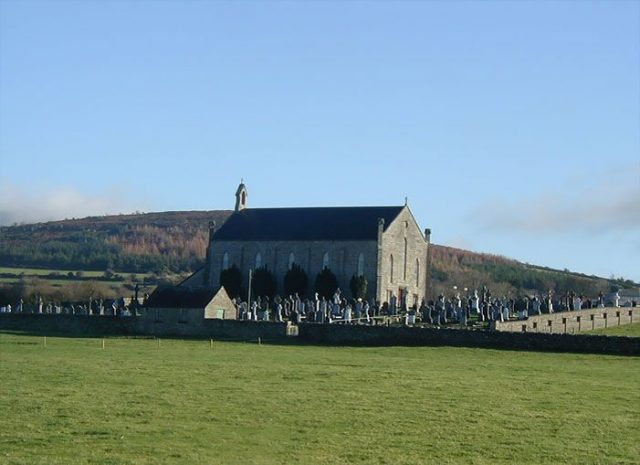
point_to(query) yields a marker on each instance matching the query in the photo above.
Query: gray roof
(306, 224)
(180, 297)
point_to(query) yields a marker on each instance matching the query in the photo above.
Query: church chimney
(241, 197)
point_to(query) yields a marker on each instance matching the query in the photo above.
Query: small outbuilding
(181, 305)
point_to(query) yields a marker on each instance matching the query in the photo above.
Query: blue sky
(512, 127)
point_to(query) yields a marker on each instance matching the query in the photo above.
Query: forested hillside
(142, 243)
(175, 242)
(461, 268)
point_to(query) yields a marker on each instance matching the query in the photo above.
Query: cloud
(458, 242)
(23, 205)
(605, 204)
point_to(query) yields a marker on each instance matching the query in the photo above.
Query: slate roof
(306, 224)
(180, 297)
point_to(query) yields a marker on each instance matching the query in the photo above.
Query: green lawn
(624, 330)
(238, 403)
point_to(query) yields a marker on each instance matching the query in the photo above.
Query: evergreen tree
(326, 283)
(358, 285)
(263, 283)
(296, 281)
(231, 280)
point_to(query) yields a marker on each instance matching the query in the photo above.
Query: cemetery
(214, 315)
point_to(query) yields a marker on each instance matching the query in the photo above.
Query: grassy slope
(624, 330)
(135, 403)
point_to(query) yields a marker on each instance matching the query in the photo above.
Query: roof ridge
(323, 208)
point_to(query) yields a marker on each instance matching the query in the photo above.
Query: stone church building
(384, 244)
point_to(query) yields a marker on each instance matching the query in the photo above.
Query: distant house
(184, 306)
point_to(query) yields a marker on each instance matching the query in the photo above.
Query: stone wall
(82, 325)
(343, 259)
(350, 335)
(572, 322)
(409, 269)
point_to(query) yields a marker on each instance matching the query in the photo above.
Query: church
(383, 244)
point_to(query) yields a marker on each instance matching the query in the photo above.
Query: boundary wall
(84, 325)
(350, 335)
(572, 322)
(347, 335)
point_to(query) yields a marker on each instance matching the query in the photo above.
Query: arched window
(404, 269)
(258, 260)
(391, 269)
(225, 261)
(417, 273)
(361, 264)
(292, 259)
(325, 260)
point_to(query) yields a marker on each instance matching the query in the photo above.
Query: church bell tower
(241, 197)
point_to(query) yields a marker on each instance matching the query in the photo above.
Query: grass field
(43, 277)
(182, 402)
(45, 272)
(624, 330)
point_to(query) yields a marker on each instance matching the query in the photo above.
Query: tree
(231, 280)
(263, 283)
(296, 281)
(326, 283)
(358, 285)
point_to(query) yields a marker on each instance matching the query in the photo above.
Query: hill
(176, 242)
(137, 243)
(465, 269)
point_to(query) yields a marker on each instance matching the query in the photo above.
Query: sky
(512, 127)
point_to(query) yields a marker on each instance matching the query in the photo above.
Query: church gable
(403, 261)
(404, 224)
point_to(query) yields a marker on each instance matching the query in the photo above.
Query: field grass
(624, 330)
(45, 272)
(43, 276)
(182, 402)
(64, 282)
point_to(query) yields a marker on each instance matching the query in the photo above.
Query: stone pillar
(427, 266)
(379, 290)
